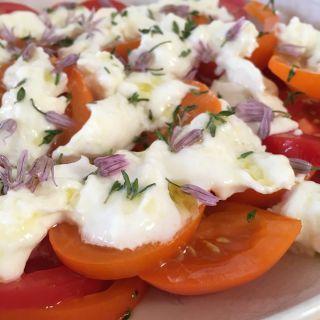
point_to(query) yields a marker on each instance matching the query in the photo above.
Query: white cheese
(5, 55)
(305, 35)
(113, 124)
(303, 203)
(26, 217)
(39, 85)
(23, 24)
(103, 71)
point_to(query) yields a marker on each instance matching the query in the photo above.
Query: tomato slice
(122, 49)
(261, 15)
(257, 199)
(305, 147)
(114, 303)
(300, 79)
(110, 263)
(226, 251)
(46, 288)
(95, 4)
(235, 7)
(8, 7)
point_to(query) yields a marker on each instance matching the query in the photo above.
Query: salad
(174, 144)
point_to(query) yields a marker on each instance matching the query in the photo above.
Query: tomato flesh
(8, 7)
(46, 288)
(305, 147)
(226, 251)
(95, 4)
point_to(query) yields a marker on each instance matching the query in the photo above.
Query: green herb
(152, 30)
(66, 42)
(50, 135)
(36, 108)
(180, 112)
(126, 315)
(194, 13)
(132, 188)
(20, 83)
(291, 97)
(21, 94)
(291, 74)
(217, 118)
(185, 53)
(219, 95)
(251, 215)
(57, 78)
(160, 136)
(84, 180)
(26, 38)
(107, 70)
(124, 13)
(271, 4)
(50, 10)
(196, 92)
(150, 15)
(150, 115)
(67, 95)
(113, 16)
(245, 155)
(135, 98)
(2, 45)
(185, 33)
(158, 45)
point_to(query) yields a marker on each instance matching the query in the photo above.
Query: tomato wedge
(305, 147)
(114, 303)
(235, 7)
(109, 263)
(300, 79)
(261, 15)
(226, 251)
(95, 4)
(122, 49)
(46, 288)
(8, 7)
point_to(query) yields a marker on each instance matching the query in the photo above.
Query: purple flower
(8, 35)
(69, 5)
(204, 52)
(48, 38)
(41, 170)
(9, 126)
(143, 61)
(233, 32)
(302, 166)
(60, 120)
(189, 139)
(191, 74)
(179, 10)
(29, 51)
(110, 165)
(67, 61)
(291, 50)
(204, 196)
(256, 111)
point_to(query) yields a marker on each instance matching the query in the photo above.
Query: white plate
(290, 291)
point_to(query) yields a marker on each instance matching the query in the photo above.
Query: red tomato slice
(305, 147)
(46, 288)
(235, 7)
(95, 4)
(226, 251)
(112, 304)
(8, 7)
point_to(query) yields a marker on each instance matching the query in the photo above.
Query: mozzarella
(303, 203)
(39, 85)
(113, 124)
(305, 35)
(25, 217)
(5, 55)
(103, 71)
(23, 24)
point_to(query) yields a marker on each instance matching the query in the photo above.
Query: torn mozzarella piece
(103, 72)
(303, 203)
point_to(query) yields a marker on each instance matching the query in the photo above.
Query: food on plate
(174, 144)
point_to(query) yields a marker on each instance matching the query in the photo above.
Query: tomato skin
(111, 304)
(305, 147)
(8, 7)
(94, 4)
(235, 7)
(46, 288)
(226, 251)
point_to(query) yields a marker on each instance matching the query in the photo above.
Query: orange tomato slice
(301, 79)
(226, 251)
